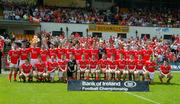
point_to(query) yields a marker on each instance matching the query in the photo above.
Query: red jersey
(103, 63)
(119, 53)
(44, 54)
(110, 52)
(150, 66)
(140, 64)
(147, 54)
(165, 69)
(83, 63)
(127, 55)
(52, 66)
(60, 52)
(14, 56)
(78, 54)
(112, 64)
(95, 52)
(131, 64)
(122, 64)
(87, 53)
(34, 52)
(93, 64)
(52, 52)
(63, 65)
(24, 53)
(40, 67)
(68, 52)
(27, 68)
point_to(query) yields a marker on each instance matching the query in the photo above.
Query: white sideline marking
(141, 97)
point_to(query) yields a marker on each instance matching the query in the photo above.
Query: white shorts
(151, 75)
(52, 74)
(13, 65)
(125, 71)
(21, 62)
(34, 61)
(110, 71)
(93, 70)
(60, 74)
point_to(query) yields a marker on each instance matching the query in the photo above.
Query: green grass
(56, 93)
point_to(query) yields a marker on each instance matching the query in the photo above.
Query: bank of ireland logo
(130, 84)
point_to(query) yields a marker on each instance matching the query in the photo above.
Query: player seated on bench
(82, 67)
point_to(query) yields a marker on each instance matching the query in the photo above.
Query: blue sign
(104, 85)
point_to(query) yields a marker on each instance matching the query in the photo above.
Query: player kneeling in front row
(165, 69)
(26, 71)
(40, 69)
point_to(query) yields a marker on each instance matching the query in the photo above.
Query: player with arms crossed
(112, 67)
(52, 65)
(62, 66)
(103, 65)
(165, 71)
(93, 65)
(82, 67)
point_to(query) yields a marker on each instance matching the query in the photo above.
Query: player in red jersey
(103, 65)
(24, 54)
(26, 71)
(150, 67)
(14, 57)
(112, 67)
(165, 71)
(77, 52)
(60, 51)
(93, 65)
(131, 66)
(40, 70)
(95, 53)
(82, 67)
(53, 52)
(69, 51)
(44, 54)
(51, 67)
(140, 68)
(62, 68)
(34, 54)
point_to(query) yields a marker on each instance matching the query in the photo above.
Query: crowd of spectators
(163, 17)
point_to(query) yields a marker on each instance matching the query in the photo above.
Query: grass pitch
(56, 93)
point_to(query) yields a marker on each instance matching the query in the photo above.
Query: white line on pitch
(141, 97)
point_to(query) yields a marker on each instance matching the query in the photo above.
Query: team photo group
(92, 58)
